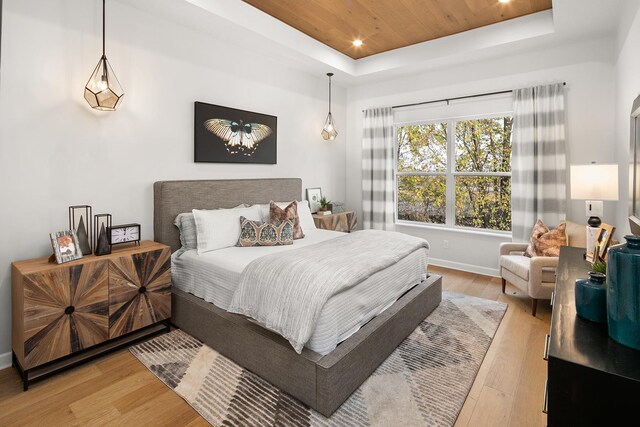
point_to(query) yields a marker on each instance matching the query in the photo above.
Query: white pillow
(220, 228)
(264, 212)
(188, 232)
(187, 226)
(304, 213)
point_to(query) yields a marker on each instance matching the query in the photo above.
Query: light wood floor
(118, 390)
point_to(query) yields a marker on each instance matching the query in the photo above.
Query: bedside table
(342, 221)
(63, 314)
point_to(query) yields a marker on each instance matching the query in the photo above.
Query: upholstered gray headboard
(171, 198)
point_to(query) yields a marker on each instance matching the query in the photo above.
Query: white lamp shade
(594, 182)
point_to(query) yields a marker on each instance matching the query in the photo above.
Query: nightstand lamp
(594, 183)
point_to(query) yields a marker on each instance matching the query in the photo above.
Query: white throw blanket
(286, 292)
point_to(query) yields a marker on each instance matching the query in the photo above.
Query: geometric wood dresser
(63, 314)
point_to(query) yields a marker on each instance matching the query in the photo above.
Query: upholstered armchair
(536, 276)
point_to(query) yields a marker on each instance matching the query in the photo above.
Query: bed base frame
(322, 382)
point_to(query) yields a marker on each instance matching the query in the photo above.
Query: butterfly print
(239, 137)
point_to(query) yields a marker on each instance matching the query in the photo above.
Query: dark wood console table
(592, 380)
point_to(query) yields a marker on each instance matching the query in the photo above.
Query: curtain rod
(447, 100)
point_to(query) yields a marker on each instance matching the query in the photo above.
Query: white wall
(627, 89)
(587, 67)
(57, 152)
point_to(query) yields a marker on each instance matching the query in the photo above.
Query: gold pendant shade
(103, 91)
(329, 131)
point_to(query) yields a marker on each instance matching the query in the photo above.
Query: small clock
(125, 233)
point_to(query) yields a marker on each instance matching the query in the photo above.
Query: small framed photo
(66, 246)
(604, 239)
(313, 196)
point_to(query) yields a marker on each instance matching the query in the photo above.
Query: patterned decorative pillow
(545, 242)
(277, 214)
(258, 233)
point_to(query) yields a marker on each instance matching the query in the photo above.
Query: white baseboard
(5, 360)
(465, 267)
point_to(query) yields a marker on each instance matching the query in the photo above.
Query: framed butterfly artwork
(229, 135)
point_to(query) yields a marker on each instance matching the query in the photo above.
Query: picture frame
(229, 135)
(313, 196)
(594, 255)
(66, 246)
(604, 239)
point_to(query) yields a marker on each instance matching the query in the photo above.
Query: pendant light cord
(103, 26)
(329, 74)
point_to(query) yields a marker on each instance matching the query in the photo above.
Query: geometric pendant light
(103, 90)
(329, 131)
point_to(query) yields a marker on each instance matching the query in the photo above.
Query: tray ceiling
(387, 25)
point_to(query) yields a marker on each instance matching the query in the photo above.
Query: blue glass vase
(591, 297)
(623, 292)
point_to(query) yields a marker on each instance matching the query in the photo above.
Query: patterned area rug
(425, 381)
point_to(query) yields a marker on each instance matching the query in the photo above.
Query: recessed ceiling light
(357, 42)
(504, 1)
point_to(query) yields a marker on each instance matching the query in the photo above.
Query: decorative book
(324, 212)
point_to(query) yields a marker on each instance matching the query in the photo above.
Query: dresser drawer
(65, 310)
(139, 291)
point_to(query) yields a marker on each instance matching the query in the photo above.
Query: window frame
(450, 175)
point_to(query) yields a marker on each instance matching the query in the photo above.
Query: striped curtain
(377, 169)
(538, 164)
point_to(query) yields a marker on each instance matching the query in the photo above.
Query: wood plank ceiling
(391, 24)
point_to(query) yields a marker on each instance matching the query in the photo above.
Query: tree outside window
(455, 173)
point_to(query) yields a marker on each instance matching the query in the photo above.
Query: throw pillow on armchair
(545, 242)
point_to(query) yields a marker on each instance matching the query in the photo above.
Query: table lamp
(594, 183)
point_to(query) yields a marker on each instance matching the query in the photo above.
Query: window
(455, 173)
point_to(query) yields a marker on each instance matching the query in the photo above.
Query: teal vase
(591, 297)
(623, 292)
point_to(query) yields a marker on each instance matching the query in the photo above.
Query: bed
(322, 377)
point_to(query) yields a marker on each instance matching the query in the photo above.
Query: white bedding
(214, 277)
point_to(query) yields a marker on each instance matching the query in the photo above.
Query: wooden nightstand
(63, 314)
(342, 221)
